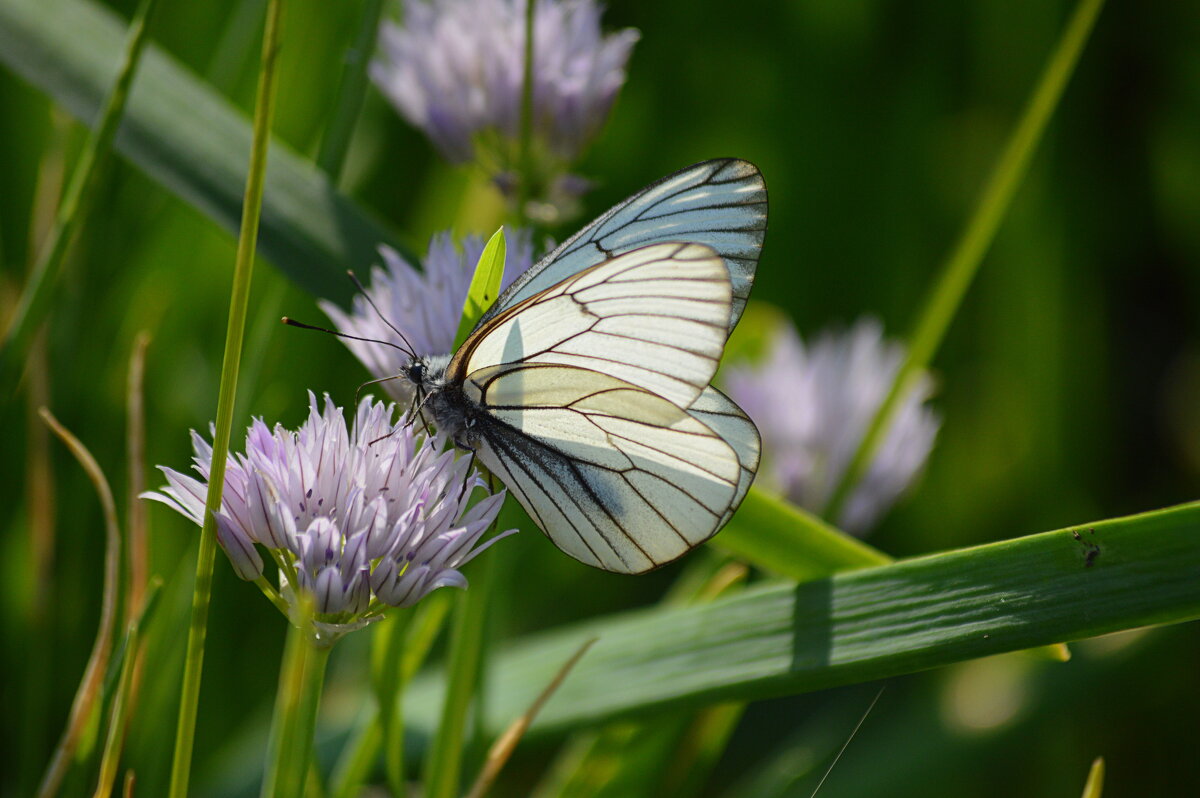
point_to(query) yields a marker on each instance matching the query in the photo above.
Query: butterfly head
(426, 373)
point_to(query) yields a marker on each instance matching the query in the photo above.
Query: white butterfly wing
(720, 203)
(718, 412)
(617, 476)
(654, 317)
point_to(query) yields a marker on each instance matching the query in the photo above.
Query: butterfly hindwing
(721, 204)
(719, 413)
(617, 476)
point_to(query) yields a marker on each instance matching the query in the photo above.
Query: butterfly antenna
(846, 744)
(363, 290)
(293, 323)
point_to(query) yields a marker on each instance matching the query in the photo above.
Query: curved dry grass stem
(93, 675)
(506, 743)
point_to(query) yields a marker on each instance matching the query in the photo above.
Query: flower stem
(301, 677)
(964, 260)
(239, 300)
(35, 299)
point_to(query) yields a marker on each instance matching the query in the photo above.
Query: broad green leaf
(485, 286)
(192, 140)
(77, 201)
(857, 626)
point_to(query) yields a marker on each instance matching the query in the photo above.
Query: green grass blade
(36, 296)
(443, 769)
(485, 285)
(123, 673)
(351, 93)
(858, 626)
(791, 542)
(193, 141)
(239, 300)
(960, 268)
(1094, 787)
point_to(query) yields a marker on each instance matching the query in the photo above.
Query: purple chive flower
(425, 305)
(357, 519)
(455, 69)
(813, 406)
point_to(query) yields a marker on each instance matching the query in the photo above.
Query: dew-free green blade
(857, 626)
(192, 140)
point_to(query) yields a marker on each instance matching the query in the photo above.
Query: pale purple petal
(455, 69)
(813, 404)
(376, 511)
(245, 559)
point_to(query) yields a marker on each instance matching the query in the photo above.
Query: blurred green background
(1069, 385)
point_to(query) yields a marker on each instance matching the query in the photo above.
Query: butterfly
(585, 387)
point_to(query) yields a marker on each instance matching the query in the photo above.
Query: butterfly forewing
(617, 476)
(654, 318)
(720, 203)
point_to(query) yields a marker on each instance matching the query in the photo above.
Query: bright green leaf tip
(485, 285)
(1095, 780)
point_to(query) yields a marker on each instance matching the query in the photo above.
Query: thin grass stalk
(388, 695)
(354, 764)
(960, 267)
(93, 675)
(39, 477)
(135, 453)
(124, 699)
(136, 516)
(428, 619)
(239, 300)
(443, 768)
(525, 131)
(351, 93)
(35, 298)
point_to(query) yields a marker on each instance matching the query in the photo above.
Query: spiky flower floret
(357, 519)
(455, 69)
(813, 405)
